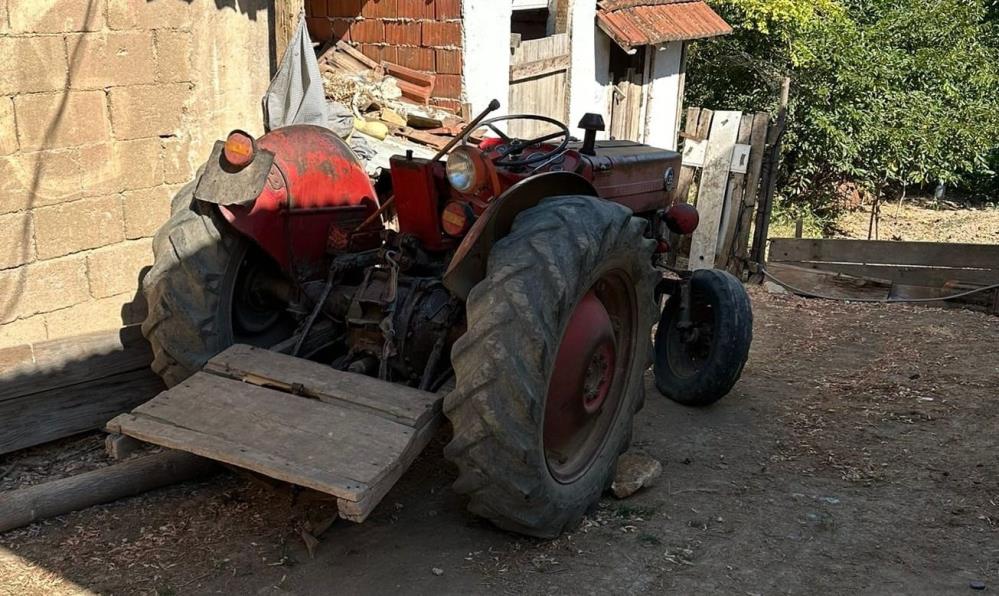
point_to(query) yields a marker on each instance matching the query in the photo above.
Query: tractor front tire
(537, 277)
(700, 370)
(190, 288)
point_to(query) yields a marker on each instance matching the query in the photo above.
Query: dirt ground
(925, 220)
(857, 455)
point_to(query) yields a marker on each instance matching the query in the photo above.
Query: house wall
(589, 82)
(487, 53)
(424, 35)
(106, 108)
(664, 96)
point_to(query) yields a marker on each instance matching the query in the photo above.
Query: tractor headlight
(461, 171)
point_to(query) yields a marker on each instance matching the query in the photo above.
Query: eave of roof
(634, 23)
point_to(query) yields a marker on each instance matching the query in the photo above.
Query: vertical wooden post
(287, 14)
(769, 186)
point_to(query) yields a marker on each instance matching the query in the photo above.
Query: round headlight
(461, 171)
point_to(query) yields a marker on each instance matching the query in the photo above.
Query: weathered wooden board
(911, 275)
(539, 84)
(60, 363)
(56, 413)
(830, 285)
(712, 190)
(886, 252)
(296, 421)
(758, 141)
(405, 405)
(732, 208)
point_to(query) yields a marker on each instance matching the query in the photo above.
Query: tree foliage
(884, 92)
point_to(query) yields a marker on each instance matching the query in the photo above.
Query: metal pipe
(493, 106)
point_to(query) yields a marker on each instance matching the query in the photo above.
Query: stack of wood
(887, 270)
(386, 98)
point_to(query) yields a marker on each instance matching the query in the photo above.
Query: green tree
(885, 93)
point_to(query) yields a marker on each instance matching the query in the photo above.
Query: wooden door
(626, 106)
(539, 83)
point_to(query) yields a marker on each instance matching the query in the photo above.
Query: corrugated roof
(633, 23)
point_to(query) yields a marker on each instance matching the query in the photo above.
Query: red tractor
(523, 276)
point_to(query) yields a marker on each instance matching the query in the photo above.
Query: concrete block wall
(424, 35)
(106, 109)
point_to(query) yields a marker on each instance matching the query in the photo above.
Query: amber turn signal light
(239, 149)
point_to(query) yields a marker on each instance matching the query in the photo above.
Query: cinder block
(32, 64)
(17, 245)
(39, 178)
(121, 165)
(23, 331)
(146, 210)
(173, 56)
(97, 315)
(142, 14)
(8, 128)
(56, 120)
(177, 167)
(55, 16)
(79, 225)
(118, 269)
(148, 110)
(42, 286)
(111, 59)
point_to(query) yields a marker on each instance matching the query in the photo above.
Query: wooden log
(27, 505)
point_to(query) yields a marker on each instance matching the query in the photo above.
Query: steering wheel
(512, 147)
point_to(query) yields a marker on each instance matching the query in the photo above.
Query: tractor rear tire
(517, 316)
(702, 372)
(190, 288)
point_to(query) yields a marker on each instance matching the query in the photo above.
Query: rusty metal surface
(635, 23)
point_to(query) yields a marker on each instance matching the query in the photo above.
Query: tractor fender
(304, 183)
(468, 266)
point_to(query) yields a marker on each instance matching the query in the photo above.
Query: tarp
(296, 94)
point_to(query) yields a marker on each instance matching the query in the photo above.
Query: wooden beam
(56, 413)
(287, 14)
(27, 505)
(887, 252)
(712, 190)
(538, 68)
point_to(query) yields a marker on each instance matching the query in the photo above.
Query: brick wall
(106, 108)
(425, 35)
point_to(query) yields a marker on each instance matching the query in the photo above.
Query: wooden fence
(539, 83)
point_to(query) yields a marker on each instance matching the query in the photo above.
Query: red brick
(448, 104)
(448, 86)
(344, 8)
(416, 58)
(390, 54)
(448, 9)
(373, 52)
(381, 9)
(415, 9)
(441, 34)
(367, 31)
(341, 29)
(403, 34)
(319, 28)
(448, 62)
(315, 8)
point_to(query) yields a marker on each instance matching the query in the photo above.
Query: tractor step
(298, 421)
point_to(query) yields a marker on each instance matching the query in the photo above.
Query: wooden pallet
(301, 422)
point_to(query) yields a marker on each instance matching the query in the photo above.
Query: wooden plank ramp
(301, 422)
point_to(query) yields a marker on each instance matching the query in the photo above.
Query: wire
(806, 294)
